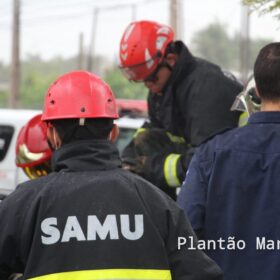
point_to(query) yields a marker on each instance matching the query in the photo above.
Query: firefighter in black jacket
(188, 97)
(33, 154)
(89, 218)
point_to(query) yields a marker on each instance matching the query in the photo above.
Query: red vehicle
(132, 107)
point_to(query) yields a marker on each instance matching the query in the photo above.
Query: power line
(90, 3)
(59, 16)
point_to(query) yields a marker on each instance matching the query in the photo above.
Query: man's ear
(171, 59)
(53, 137)
(114, 134)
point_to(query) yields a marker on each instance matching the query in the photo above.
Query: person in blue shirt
(232, 188)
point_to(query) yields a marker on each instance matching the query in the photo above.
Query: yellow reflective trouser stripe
(139, 130)
(170, 170)
(109, 274)
(243, 119)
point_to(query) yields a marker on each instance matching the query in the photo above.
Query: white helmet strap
(82, 121)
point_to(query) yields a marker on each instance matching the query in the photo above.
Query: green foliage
(3, 99)
(37, 75)
(4, 73)
(4, 84)
(33, 88)
(122, 88)
(264, 6)
(214, 44)
(255, 48)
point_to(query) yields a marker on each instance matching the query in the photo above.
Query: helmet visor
(37, 171)
(139, 72)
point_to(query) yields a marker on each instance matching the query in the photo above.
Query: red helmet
(32, 150)
(79, 95)
(142, 48)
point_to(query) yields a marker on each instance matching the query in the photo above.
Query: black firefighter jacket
(90, 219)
(194, 104)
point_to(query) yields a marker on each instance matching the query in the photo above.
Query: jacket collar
(184, 65)
(264, 117)
(86, 155)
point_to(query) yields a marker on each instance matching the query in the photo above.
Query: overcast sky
(52, 27)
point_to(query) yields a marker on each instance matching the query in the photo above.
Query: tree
(214, 44)
(33, 89)
(4, 85)
(264, 6)
(3, 98)
(37, 75)
(122, 88)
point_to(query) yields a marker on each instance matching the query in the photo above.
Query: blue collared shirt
(232, 189)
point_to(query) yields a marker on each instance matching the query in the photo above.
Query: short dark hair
(69, 130)
(174, 47)
(267, 72)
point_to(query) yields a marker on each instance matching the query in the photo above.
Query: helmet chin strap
(55, 140)
(167, 65)
(50, 145)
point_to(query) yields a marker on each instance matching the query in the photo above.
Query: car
(132, 116)
(11, 121)
(128, 126)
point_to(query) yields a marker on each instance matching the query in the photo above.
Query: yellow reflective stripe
(170, 170)
(29, 173)
(139, 130)
(175, 139)
(243, 119)
(109, 274)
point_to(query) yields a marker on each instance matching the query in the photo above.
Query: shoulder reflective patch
(109, 274)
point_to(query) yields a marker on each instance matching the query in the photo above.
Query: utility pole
(173, 16)
(245, 43)
(91, 52)
(91, 56)
(81, 51)
(15, 62)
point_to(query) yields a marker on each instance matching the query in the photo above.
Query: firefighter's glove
(135, 165)
(151, 141)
